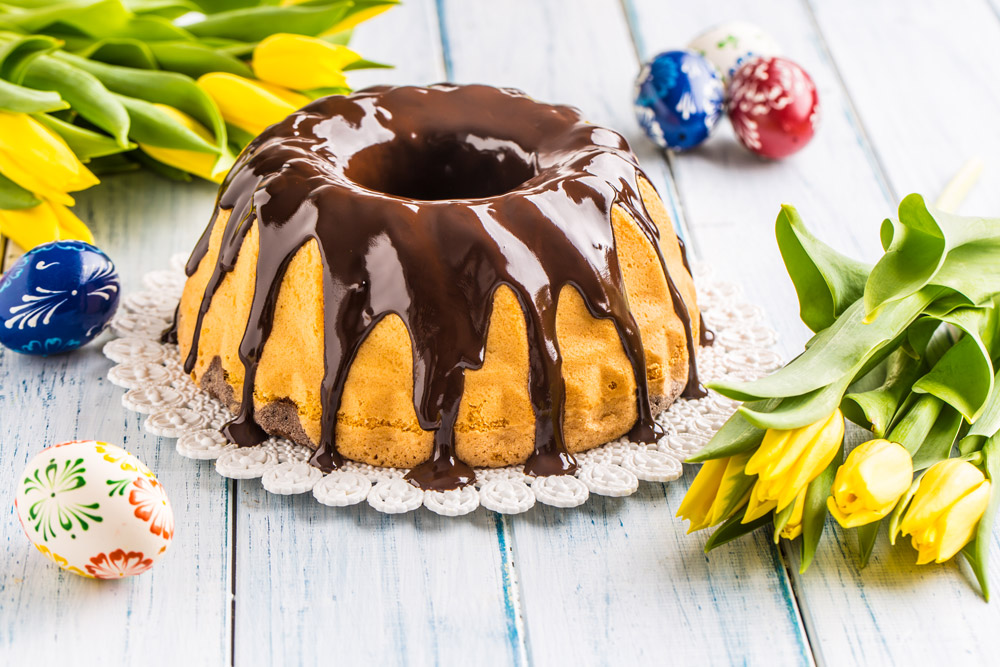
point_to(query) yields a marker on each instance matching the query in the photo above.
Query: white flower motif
(686, 106)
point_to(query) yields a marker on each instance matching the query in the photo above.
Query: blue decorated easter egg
(731, 45)
(57, 297)
(679, 99)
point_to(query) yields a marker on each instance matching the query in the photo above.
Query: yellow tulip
(199, 164)
(787, 460)
(719, 488)
(793, 527)
(358, 17)
(301, 63)
(870, 483)
(49, 221)
(244, 103)
(297, 100)
(39, 160)
(942, 517)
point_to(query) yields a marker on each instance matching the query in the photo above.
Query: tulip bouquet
(94, 87)
(907, 349)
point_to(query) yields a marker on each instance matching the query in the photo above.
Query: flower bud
(719, 488)
(243, 102)
(945, 510)
(39, 160)
(787, 460)
(870, 483)
(301, 62)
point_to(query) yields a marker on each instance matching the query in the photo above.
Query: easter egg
(94, 509)
(773, 106)
(729, 45)
(678, 99)
(57, 297)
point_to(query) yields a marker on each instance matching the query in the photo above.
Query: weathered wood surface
(616, 581)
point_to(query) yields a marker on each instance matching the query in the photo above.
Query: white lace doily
(157, 386)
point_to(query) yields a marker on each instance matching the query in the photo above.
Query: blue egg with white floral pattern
(57, 297)
(679, 99)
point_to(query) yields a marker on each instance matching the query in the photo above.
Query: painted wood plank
(315, 584)
(617, 580)
(179, 612)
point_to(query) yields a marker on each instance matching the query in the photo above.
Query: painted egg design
(678, 99)
(57, 297)
(94, 509)
(773, 106)
(730, 45)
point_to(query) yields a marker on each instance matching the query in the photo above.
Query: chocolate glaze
(423, 202)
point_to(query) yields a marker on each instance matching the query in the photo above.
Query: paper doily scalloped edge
(156, 386)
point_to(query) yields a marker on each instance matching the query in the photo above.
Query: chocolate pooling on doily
(423, 202)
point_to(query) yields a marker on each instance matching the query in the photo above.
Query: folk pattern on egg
(774, 107)
(678, 99)
(94, 510)
(57, 297)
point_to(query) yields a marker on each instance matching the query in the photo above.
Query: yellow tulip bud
(719, 488)
(942, 517)
(793, 528)
(301, 63)
(870, 483)
(199, 164)
(244, 103)
(39, 160)
(49, 221)
(787, 460)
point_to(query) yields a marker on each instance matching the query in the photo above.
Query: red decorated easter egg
(773, 106)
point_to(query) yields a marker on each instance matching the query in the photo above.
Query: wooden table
(910, 91)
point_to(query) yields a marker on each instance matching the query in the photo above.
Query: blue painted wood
(626, 562)
(179, 612)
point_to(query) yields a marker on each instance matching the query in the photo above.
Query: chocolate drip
(706, 337)
(423, 202)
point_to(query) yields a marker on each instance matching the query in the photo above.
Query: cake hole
(442, 168)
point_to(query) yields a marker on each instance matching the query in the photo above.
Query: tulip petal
(243, 103)
(279, 59)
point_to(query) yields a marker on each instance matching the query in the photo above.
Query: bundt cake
(439, 278)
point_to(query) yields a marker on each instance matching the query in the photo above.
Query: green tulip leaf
(826, 281)
(123, 51)
(364, 63)
(940, 439)
(934, 248)
(814, 511)
(874, 409)
(734, 529)
(963, 376)
(986, 426)
(13, 196)
(86, 144)
(867, 534)
(169, 9)
(736, 436)
(799, 410)
(20, 99)
(83, 91)
(17, 52)
(194, 59)
(896, 517)
(155, 127)
(916, 422)
(252, 24)
(781, 520)
(114, 164)
(977, 552)
(834, 351)
(170, 88)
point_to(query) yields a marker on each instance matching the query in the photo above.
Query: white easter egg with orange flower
(94, 509)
